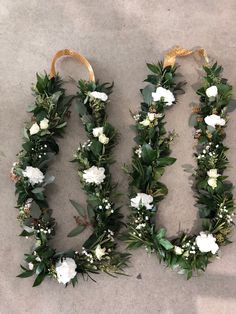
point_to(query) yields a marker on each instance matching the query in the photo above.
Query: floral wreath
(188, 253)
(50, 112)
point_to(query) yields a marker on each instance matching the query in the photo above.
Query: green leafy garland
(50, 112)
(187, 253)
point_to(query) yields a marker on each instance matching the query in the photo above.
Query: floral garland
(50, 112)
(187, 253)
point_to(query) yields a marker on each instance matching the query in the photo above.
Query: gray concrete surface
(118, 37)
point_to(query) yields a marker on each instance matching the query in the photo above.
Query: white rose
(165, 94)
(97, 131)
(145, 122)
(214, 120)
(207, 243)
(99, 252)
(178, 250)
(103, 139)
(34, 175)
(98, 95)
(66, 270)
(94, 175)
(142, 199)
(34, 129)
(213, 175)
(212, 91)
(151, 116)
(44, 124)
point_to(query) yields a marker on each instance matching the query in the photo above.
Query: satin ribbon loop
(73, 54)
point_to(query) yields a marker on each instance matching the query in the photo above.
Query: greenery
(152, 154)
(38, 149)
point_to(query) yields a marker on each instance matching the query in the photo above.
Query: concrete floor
(118, 37)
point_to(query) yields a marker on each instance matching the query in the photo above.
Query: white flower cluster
(110, 235)
(94, 175)
(142, 199)
(66, 270)
(223, 213)
(99, 95)
(43, 125)
(138, 151)
(106, 205)
(207, 243)
(214, 120)
(208, 151)
(163, 94)
(212, 178)
(43, 229)
(151, 118)
(89, 256)
(99, 132)
(34, 175)
(136, 117)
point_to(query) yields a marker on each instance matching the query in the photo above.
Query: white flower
(151, 116)
(31, 266)
(178, 250)
(98, 95)
(94, 175)
(34, 175)
(97, 131)
(214, 120)
(44, 124)
(145, 122)
(207, 243)
(99, 252)
(142, 199)
(103, 139)
(212, 91)
(66, 270)
(213, 175)
(34, 129)
(165, 94)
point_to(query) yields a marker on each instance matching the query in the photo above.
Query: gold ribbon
(170, 56)
(75, 55)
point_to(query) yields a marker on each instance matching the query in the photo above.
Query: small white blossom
(178, 250)
(34, 175)
(163, 94)
(99, 252)
(31, 266)
(94, 175)
(98, 95)
(145, 122)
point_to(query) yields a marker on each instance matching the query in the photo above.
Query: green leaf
(166, 244)
(154, 68)
(26, 274)
(39, 279)
(148, 154)
(37, 190)
(96, 147)
(35, 210)
(147, 94)
(79, 208)
(77, 230)
(40, 268)
(165, 161)
(192, 120)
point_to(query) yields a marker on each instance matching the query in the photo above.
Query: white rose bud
(34, 129)
(44, 124)
(103, 139)
(97, 131)
(178, 250)
(94, 175)
(34, 175)
(207, 243)
(164, 94)
(66, 270)
(212, 91)
(151, 116)
(214, 120)
(142, 199)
